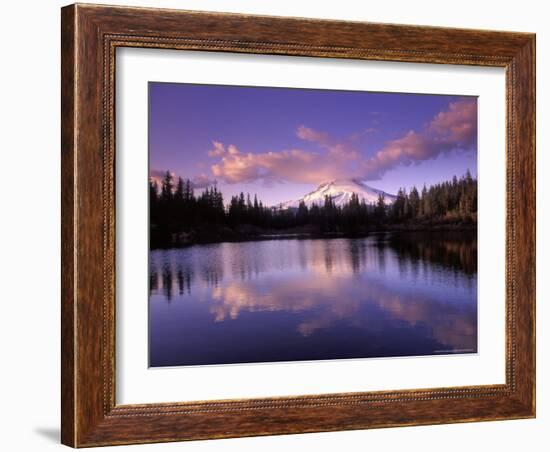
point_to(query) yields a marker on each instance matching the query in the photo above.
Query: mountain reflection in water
(385, 295)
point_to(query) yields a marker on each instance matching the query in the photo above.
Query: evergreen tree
(178, 194)
(414, 202)
(188, 194)
(167, 187)
(302, 216)
(398, 207)
(380, 210)
(153, 201)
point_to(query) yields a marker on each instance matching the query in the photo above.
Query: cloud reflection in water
(380, 289)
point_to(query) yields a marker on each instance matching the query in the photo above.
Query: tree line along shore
(179, 217)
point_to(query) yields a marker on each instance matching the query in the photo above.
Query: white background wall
(29, 233)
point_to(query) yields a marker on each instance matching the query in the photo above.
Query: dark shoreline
(183, 239)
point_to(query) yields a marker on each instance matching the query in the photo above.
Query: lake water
(385, 295)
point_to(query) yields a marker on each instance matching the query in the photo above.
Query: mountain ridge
(340, 190)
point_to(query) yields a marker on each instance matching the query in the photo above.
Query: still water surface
(386, 295)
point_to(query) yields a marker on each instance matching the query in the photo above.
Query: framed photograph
(281, 225)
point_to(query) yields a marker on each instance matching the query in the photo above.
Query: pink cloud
(336, 149)
(308, 134)
(294, 165)
(218, 149)
(450, 130)
(458, 124)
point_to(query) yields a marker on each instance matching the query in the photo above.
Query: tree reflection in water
(397, 292)
(414, 255)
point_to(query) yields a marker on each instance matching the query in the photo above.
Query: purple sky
(281, 143)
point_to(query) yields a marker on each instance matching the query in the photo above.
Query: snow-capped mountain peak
(340, 190)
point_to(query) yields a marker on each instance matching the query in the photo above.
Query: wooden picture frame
(90, 36)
